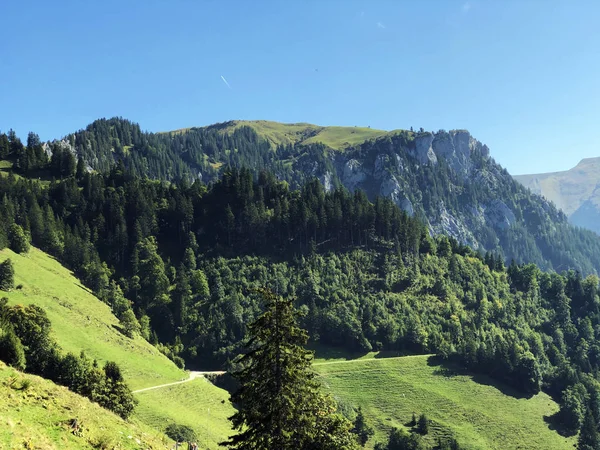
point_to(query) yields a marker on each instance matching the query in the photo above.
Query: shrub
(18, 240)
(180, 433)
(11, 349)
(423, 424)
(7, 275)
(130, 325)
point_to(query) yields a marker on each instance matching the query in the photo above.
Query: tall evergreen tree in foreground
(279, 403)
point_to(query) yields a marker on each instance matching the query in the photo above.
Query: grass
(5, 167)
(37, 416)
(337, 138)
(199, 405)
(82, 322)
(481, 413)
(342, 137)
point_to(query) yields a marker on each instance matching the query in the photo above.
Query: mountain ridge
(447, 178)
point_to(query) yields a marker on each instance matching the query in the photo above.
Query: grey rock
(499, 216)
(424, 152)
(353, 174)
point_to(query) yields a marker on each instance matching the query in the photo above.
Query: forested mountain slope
(453, 399)
(367, 275)
(447, 178)
(575, 191)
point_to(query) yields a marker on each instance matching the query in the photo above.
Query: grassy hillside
(199, 404)
(35, 414)
(82, 322)
(482, 414)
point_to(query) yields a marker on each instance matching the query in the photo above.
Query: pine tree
(279, 403)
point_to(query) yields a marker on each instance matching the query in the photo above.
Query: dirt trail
(193, 376)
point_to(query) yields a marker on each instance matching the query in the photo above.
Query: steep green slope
(480, 413)
(36, 414)
(82, 322)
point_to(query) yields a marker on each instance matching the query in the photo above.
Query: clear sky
(522, 76)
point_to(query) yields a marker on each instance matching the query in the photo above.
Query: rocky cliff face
(388, 168)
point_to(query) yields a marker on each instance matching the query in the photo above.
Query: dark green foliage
(423, 424)
(589, 439)
(279, 403)
(130, 325)
(7, 275)
(362, 428)
(401, 440)
(180, 433)
(11, 349)
(19, 241)
(572, 407)
(448, 443)
(113, 372)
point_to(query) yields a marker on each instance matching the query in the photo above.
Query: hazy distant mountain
(575, 191)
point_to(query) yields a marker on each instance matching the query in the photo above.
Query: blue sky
(522, 76)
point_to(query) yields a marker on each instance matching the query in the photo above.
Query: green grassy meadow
(480, 413)
(38, 418)
(199, 405)
(82, 322)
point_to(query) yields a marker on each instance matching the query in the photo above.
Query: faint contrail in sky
(225, 81)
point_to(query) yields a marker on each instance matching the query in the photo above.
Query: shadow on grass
(120, 329)
(555, 424)
(326, 352)
(390, 354)
(448, 369)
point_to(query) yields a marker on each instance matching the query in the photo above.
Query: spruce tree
(279, 403)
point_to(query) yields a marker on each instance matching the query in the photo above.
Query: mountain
(179, 263)
(448, 179)
(575, 191)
